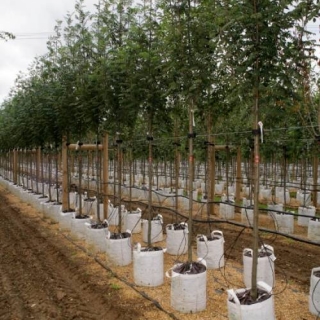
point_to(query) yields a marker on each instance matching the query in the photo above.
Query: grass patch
(115, 286)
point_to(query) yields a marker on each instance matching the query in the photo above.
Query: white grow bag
(78, 226)
(65, 220)
(314, 294)
(188, 291)
(96, 237)
(265, 267)
(119, 251)
(263, 310)
(226, 211)
(247, 216)
(156, 229)
(148, 267)
(314, 229)
(132, 220)
(308, 211)
(212, 251)
(177, 240)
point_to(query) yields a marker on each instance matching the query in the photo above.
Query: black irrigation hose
(142, 293)
(238, 224)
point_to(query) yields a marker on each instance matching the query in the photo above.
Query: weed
(115, 286)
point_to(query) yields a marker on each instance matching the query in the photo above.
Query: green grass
(115, 286)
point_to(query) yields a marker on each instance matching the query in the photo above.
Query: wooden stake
(65, 191)
(105, 170)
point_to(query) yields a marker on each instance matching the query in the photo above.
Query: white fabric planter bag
(284, 222)
(275, 207)
(95, 211)
(212, 251)
(65, 220)
(262, 310)
(156, 230)
(54, 211)
(132, 221)
(314, 294)
(88, 205)
(247, 202)
(78, 226)
(148, 267)
(308, 211)
(219, 188)
(265, 194)
(226, 211)
(314, 229)
(265, 267)
(96, 237)
(304, 198)
(247, 216)
(119, 251)
(279, 193)
(177, 240)
(188, 291)
(73, 196)
(113, 218)
(46, 207)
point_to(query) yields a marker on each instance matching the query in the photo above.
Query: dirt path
(43, 276)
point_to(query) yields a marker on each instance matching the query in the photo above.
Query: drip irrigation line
(142, 141)
(238, 224)
(131, 285)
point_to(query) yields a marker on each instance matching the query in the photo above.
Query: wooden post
(105, 168)
(15, 166)
(315, 180)
(238, 176)
(65, 191)
(191, 177)
(38, 162)
(211, 169)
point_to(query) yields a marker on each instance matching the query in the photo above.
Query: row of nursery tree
(153, 68)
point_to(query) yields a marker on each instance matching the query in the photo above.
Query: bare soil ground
(44, 276)
(49, 274)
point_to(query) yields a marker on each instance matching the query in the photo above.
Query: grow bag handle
(138, 247)
(247, 250)
(202, 261)
(232, 295)
(267, 247)
(314, 270)
(205, 239)
(169, 274)
(263, 286)
(216, 232)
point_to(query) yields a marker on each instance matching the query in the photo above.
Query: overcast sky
(31, 21)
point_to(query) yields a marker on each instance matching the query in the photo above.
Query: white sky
(32, 21)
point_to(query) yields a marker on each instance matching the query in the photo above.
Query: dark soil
(44, 276)
(261, 254)
(150, 249)
(209, 238)
(245, 297)
(102, 225)
(118, 236)
(190, 268)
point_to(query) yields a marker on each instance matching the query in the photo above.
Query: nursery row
(188, 287)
